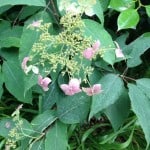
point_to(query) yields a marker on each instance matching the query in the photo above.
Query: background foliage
(118, 118)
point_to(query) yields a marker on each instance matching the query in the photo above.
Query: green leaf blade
(73, 109)
(22, 2)
(112, 86)
(56, 138)
(128, 19)
(140, 105)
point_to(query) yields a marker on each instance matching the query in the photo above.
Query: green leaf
(121, 5)
(51, 97)
(73, 109)
(109, 56)
(10, 37)
(56, 137)
(37, 145)
(97, 32)
(118, 112)
(128, 19)
(13, 77)
(148, 10)
(42, 121)
(137, 48)
(104, 4)
(6, 124)
(22, 2)
(28, 11)
(29, 80)
(97, 9)
(1, 83)
(144, 85)
(141, 106)
(4, 8)
(112, 87)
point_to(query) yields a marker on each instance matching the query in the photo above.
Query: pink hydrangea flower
(90, 52)
(118, 51)
(95, 89)
(72, 87)
(44, 82)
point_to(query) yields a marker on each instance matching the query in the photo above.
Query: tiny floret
(95, 89)
(44, 82)
(72, 87)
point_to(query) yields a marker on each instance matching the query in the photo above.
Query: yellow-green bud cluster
(65, 49)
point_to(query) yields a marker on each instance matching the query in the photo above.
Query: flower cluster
(73, 87)
(64, 52)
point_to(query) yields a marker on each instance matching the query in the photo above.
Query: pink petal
(88, 91)
(36, 23)
(88, 53)
(44, 82)
(96, 45)
(72, 88)
(119, 53)
(97, 88)
(66, 89)
(40, 78)
(74, 85)
(24, 63)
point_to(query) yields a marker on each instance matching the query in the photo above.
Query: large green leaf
(1, 83)
(37, 145)
(13, 77)
(98, 10)
(73, 109)
(104, 4)
(144, 85)
(42, 121)
(6, 124)
(23, 2)
(10, 37)
(51, 97)
(148, 10)
(97, 32)
(112, 87)
(118, 112)
(56, 137)
(4, 8)
(121, 5)
(141, 106)
(29, 81)
(136, 49)
(128, 19)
